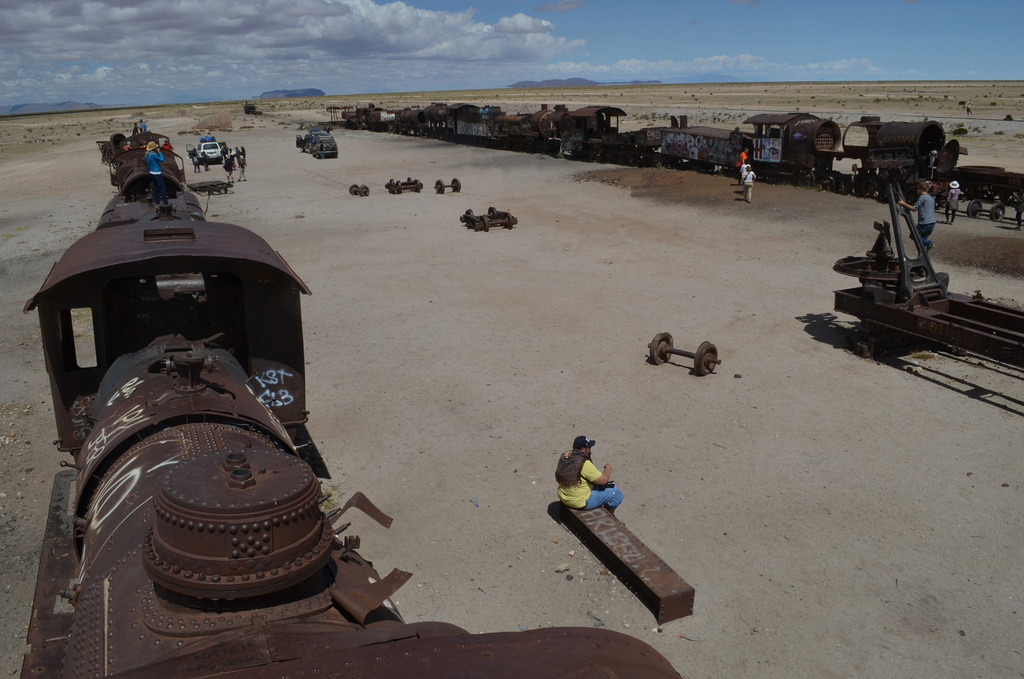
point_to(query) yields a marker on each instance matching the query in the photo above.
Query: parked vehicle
(213, 149)
(317, 143)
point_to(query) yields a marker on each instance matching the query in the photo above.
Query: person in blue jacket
(154, 157)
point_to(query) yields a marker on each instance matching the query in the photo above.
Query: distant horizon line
(8, 109)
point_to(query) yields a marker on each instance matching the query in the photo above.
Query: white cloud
(523, 25)
(185, 52)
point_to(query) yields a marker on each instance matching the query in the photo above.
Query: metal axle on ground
(409, 184)
(493, 218)
(357, 190)
(705, 358)
(455, 186)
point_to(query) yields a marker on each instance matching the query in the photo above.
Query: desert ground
(838, 517)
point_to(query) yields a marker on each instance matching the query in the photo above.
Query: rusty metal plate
(667, 595)
(48, 630)
(426, 650)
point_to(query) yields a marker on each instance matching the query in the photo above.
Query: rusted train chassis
(901, 297)
(966, 323)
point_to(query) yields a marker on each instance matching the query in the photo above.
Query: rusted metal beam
(48, 630)
(667, 595)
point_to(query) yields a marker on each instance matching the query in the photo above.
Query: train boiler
(918, 148)
(188, 536)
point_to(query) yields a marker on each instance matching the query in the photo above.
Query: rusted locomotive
(797, 148)
(189, 536)
(133, 202)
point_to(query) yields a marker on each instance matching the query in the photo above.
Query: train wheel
(997, 211)
(873, 188)
(973, 208)
(659, 347)
(805, 178)
(827, 184)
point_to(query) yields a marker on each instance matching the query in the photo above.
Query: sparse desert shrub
(960, 131)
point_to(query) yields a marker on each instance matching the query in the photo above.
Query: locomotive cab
(141, 283)
(589, 127)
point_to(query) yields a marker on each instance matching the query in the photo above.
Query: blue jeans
(159, 189)
(925, 230)
(609, 497)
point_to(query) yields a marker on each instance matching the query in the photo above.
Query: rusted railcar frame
(58, 563)
(902, 293)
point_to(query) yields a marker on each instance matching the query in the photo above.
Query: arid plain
(838, 517)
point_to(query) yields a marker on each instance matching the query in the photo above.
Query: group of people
(155, 157)
(924, 207)
(232, 160)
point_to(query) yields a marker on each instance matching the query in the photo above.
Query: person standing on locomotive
(154, 157)
(925, 209)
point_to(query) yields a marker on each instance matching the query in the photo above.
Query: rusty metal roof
(709, 132)
(776, 118)
(594, 110)
(131, 245)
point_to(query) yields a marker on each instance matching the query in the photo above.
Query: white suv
(211, 149)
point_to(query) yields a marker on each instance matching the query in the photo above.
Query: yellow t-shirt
(576, 496)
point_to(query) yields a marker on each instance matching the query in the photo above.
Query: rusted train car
(798, 148)
(188, 535)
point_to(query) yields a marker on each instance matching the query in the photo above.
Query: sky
(129, 52)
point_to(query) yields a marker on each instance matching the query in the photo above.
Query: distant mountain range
(577, 82)
(45, 108)
(583, 82)
(289, 94)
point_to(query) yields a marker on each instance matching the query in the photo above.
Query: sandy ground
(838, 517)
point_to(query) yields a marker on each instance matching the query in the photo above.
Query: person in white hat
(953, 201)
